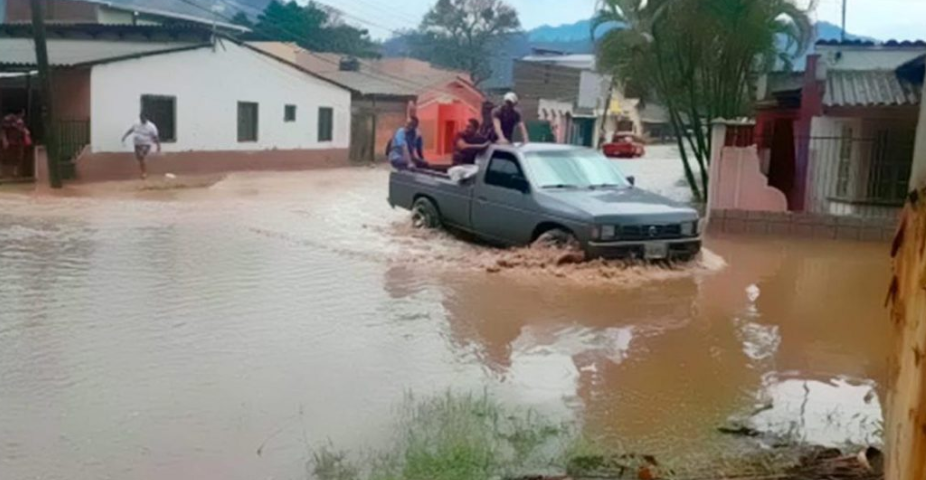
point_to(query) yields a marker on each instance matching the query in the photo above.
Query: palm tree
(700, 58)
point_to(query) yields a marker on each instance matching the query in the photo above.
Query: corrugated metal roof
(369, 80)
(199, 11)
(20, 52)
(868, 89)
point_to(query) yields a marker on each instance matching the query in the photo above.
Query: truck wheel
(557, 238)
(425, 214)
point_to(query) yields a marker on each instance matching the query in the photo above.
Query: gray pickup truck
(555, 194)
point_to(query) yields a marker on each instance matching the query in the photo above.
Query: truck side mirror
(632, 180)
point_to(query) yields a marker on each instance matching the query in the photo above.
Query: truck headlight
(608, 232)
(689, 229)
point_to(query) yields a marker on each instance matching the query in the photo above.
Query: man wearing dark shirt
(468, 144)
(506, 118)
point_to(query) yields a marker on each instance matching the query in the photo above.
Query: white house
(220, 105)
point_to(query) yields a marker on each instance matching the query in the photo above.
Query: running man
(506, 118)
(144, 135)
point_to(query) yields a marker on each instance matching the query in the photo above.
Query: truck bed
(453, 198)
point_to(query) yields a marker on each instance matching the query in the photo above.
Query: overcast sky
(882, 19)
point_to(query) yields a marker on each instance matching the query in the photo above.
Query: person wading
(506, 118)
(144, 135)
(468, 144)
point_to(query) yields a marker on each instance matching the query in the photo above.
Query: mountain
(829, 31)
(579, 32)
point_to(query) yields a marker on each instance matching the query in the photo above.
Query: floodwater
(224, 331)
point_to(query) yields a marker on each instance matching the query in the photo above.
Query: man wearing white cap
(506, 118)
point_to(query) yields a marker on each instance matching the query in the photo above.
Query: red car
(624, 145)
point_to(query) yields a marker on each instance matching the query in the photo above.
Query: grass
(453, 437)
(473, 437)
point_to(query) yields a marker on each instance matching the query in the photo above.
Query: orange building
(447, 99)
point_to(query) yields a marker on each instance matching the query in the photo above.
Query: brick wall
(806, 225)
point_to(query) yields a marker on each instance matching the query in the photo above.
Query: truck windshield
(574, 169)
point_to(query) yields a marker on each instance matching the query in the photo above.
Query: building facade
(219, 105)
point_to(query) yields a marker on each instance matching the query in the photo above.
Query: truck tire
(425, 214)
(557, 238)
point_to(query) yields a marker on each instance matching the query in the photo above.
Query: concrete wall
(208, 83)
(805, 225)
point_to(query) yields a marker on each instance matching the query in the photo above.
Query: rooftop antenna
(843, 39)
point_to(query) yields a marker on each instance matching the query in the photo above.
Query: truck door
(502, 204)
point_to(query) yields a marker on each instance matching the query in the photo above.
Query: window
(504, 171)
(845, 161)
(162, 112)
(289, 113)
(325, 124)
(247, 122)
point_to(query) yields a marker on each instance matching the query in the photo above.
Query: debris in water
(753, 293)
(170, 176)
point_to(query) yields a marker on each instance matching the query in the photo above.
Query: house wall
(391, 114)
(207, 93)
(535, 80)
(72, 94)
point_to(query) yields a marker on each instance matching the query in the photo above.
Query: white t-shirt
(144, 133)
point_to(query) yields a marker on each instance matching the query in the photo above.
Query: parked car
(624, 145)
(553, 194)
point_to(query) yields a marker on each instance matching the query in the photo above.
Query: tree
(313, 27)
(701, 59)
(463, 34)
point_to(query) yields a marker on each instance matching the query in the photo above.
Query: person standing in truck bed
(506, 118)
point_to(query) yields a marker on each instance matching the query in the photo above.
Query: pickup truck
(555, 194)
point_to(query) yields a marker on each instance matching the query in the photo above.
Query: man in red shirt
(14, 139)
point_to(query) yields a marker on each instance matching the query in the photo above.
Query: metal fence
(867, 177)
(71, 137)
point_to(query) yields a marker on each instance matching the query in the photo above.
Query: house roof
(197, 11)
(398, 77)
(869, 88)
(19, 53)
(869, 43)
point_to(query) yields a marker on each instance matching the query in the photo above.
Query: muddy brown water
(171, 333)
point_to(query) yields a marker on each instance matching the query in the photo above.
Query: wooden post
(48, 125)
(905, 424)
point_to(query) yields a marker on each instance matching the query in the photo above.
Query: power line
(405, 83)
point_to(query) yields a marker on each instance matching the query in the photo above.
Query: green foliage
(700, 58)
(453, 437)
(463, 34)
(314, 27)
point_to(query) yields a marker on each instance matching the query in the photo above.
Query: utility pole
(844, 2)
(48, 125)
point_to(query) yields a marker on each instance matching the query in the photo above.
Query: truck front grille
(651, 232)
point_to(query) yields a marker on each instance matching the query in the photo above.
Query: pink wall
(95, 167)
(737, 181)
